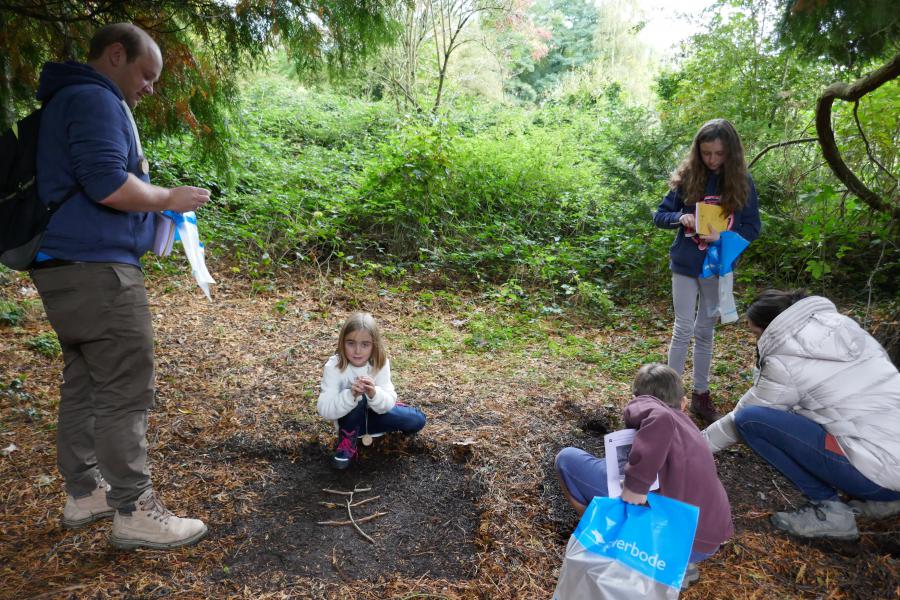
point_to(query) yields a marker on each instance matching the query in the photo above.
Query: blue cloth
(796, 446)
(721, 254)
(86, 140)
(685, 256)
(364, 420)
(584, 475)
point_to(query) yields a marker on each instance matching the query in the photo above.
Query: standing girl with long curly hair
(714, 171)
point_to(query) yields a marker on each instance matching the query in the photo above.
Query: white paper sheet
(618, 446)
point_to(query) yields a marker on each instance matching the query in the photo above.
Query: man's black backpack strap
(23, 217)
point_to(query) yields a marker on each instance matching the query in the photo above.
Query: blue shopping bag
(720, 256)
(621, 550)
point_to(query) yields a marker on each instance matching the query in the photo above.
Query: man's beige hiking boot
(151, 525)
(87, 509)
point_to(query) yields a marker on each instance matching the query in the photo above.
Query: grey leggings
(693, 321)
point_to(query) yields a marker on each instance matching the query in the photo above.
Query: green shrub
(557, 198)
(46, 344)
(11, 313)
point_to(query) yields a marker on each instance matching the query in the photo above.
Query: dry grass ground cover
(472, 509)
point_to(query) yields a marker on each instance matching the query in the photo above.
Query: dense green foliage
(570, 26)
(205, 45)
(848, 32)
(556, 198)
(552, 198)
(540, 197)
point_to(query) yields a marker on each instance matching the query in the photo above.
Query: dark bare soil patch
(754, 487)
(592, 425)
(429, 529)
(756, 490)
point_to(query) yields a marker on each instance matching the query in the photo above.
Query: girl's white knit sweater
(336, 399)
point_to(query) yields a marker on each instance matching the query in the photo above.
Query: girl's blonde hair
(690, 176)
(365, 322)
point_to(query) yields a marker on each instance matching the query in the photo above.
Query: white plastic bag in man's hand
(186, 229)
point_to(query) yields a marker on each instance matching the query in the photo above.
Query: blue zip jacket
(86, 141)
(685, 256)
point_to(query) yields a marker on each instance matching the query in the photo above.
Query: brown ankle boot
(703, 408)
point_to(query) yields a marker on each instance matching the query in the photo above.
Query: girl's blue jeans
(584, 475)
(364, 420)
(796, 446)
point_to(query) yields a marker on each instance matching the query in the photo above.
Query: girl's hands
(688, 220)
(632, 498)
(364, 385)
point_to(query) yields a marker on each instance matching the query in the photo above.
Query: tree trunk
(825, 132)
(441, 76)
(7, 114)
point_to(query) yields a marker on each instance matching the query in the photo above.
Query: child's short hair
(365, 322)
(661, 382)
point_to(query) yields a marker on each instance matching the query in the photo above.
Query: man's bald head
(134, 39)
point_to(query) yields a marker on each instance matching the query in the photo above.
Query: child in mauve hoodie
(667, 444)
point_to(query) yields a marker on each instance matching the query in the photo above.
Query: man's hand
(136, 195)
(187, 198)
(632, 498)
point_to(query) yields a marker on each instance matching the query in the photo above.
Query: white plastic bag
(727, 307)
(186, 229)
(587, 576)
(620, 551)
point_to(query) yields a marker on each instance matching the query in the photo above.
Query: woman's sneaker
(87, 509)
(345, 451)
(826, 519)
(152, 525)
(875, 510)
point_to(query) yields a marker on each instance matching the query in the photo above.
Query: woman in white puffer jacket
(824, 410)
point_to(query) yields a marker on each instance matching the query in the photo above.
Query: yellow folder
(710, 214)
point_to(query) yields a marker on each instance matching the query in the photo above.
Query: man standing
(89, 278)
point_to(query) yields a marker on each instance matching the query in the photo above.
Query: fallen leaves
(243, 367)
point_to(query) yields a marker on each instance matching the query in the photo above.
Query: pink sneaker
(345, 451)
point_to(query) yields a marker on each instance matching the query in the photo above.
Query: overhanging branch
(851, 93)
(780, 145)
